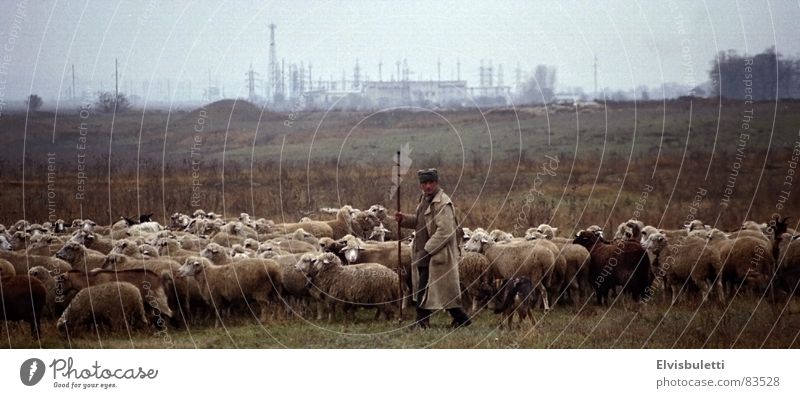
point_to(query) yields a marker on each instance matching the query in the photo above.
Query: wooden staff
(399, 243)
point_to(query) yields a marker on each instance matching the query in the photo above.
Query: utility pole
(73, 81)
(380, 70)
(116, 79)
(439, 69)
(458, 69)
(273, 66)
(595, 76)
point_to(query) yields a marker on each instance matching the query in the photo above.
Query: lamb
(75, 254)
(623, 262)
(515, 259)
(117, 305)
(363, 223)
(696, 225)
(367, 285)
(689, 261)
(255, 279)
(513, 296)
(23, 299)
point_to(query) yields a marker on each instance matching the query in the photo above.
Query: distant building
(397, 93)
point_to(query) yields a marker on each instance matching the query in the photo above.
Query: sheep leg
(543, 291)
(720, 291)
(674, 289)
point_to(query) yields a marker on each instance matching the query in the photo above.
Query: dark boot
(460, 318)
(423, 318)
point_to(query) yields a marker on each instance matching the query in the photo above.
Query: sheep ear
(484, 240)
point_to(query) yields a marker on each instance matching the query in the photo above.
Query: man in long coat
(434, 270)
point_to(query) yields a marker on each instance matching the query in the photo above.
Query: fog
(177, 45)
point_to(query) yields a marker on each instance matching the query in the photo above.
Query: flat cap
(427, 175)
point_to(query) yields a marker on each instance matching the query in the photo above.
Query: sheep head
(586, 239)
(352, 246)
(71, 252)
(213, 251)
(596, 229)
(124, 246)
(251, 244)
(305, 263)
(192, 266)
(112, 261)
(478, 242)
(4, 243)
(500, 236)
(326, 261)
(655, 242)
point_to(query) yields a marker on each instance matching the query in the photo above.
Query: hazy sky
(636, 42)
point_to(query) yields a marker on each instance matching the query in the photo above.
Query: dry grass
(651, 326)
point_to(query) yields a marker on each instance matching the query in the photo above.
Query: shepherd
(434, 270)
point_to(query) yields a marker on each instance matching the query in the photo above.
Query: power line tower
(273, 65)
(458, 69)
(439, 69)
(500, 75)
(251, 84)
(356, 76)
(380, 70)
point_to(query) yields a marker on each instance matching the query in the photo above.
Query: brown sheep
(6, 269)
(353, 286)
(515, 259)
(149, 284)
(75, 254)
(341, 226)
(473, 269)
(622, 262)
(23, 299)
(171, 249)
(52, 308)
(691, 260)
(747, 261)
(22, 262)
(253, 279)
(117, 305)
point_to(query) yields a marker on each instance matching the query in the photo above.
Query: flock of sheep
(202, 267)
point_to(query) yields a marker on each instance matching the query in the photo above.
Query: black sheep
(621, 262)
(24, 298)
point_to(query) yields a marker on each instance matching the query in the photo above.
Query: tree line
(761, 77)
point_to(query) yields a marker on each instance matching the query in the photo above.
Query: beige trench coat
(444, 289)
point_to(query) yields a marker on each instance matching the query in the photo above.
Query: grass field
(491, 162)
(685, 325)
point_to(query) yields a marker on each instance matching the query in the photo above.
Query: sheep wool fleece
(443, 290)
